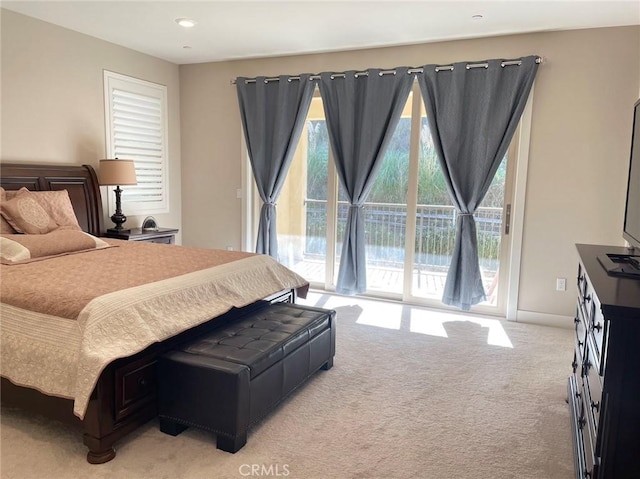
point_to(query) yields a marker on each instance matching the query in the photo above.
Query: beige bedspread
(62, 286)
(56, 337)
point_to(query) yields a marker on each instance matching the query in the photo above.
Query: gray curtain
(473, 114)
(273, 115)
(362, 112)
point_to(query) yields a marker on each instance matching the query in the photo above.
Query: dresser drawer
(588, 439)
(582, 283)
(593, 384)
(577, 424)
(585, 294)
(161, 239)
(598, 329)
(581, 327)
(578, 366)
(135, 386)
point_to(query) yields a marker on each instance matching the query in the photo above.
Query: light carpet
(413, 394)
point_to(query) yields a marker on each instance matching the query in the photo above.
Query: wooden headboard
(80, 181)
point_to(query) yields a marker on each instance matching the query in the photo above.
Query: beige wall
(52, 110)
(53, 99)
(580, 138)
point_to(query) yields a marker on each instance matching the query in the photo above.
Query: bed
(105, 348)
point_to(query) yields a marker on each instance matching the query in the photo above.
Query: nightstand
(163, 235)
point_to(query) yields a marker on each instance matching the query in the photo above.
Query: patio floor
(427, 284)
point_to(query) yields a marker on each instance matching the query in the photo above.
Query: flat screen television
(631, 231)
(628, 265)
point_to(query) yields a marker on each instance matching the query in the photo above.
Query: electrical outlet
(229, 248)
(561, 284)
(239, 193)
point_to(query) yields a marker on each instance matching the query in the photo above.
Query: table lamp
(118, 172)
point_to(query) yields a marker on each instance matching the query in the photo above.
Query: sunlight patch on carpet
(433, 324)
(382, 315)
(420, 320)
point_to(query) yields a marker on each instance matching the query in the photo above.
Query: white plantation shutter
(136, 130)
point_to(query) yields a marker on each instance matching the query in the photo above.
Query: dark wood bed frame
(125, 396)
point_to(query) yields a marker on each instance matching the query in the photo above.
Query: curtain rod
(392, 71)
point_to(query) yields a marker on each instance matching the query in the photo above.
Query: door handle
(507, 221)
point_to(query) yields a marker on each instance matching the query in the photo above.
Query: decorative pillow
(10, 194)
(5, 227)
(21, 248)
(58, 204)
(26, 215)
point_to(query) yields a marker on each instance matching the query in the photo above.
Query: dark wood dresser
(604, 389)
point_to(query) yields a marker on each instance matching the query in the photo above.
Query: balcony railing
(385, 228)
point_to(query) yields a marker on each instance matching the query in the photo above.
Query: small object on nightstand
(149, 224)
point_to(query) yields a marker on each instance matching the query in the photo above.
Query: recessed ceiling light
(477, 17)
(185, 22)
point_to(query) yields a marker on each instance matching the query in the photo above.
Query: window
(136, 129)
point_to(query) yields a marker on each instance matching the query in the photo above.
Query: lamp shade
(118, 172)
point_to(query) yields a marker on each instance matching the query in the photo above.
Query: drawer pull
(143, 382)
(582, 422)
(587, 298)
(597, 327)
(576, 319)
(595, 405)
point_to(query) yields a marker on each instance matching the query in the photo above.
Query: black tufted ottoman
(230, 378)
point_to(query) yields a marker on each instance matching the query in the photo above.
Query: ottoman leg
(171, 427)
(231, 444)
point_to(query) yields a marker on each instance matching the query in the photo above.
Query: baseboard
(545, 319)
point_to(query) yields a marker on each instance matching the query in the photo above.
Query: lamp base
(118, 218)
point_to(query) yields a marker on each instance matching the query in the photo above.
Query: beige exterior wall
(579, 152)
(53, 100)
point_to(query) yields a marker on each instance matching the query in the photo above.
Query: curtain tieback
(270, 203)
(465, 214)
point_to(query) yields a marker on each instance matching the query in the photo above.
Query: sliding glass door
(304, 213)
(409, 218)
(435, 224)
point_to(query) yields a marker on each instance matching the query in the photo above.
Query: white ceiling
(249, 29)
